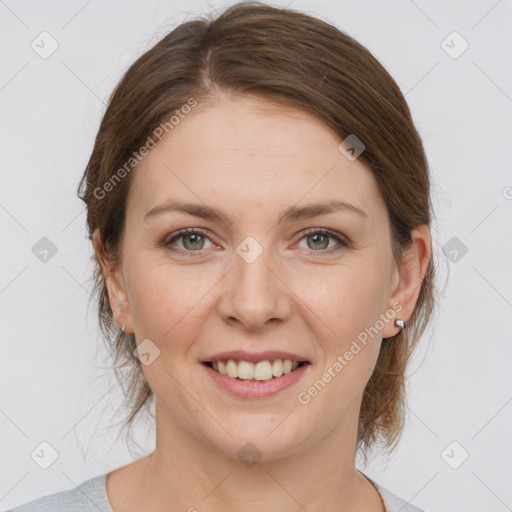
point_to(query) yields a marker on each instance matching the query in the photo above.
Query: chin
(259, 435)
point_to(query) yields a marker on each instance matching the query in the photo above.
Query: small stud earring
(400, 324)
(122, 329)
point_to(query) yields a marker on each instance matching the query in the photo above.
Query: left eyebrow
(293, 213)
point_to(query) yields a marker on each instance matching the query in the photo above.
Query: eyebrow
(293, 213)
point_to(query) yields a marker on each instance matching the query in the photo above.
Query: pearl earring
(400, 324)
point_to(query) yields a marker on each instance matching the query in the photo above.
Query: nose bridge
(254, 293)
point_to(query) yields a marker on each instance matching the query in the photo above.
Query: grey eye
(320, 241)
(196, 241)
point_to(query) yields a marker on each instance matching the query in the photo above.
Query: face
(262, 277)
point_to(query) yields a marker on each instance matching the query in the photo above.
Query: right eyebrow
(293, 213)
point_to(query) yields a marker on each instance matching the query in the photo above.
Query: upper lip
(254, 356)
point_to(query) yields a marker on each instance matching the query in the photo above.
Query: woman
(258, 201)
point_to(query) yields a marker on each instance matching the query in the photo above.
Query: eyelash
(313, 231)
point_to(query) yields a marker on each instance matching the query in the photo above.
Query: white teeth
(262, 370)
(277, 368)
(231, 369)
(287, 366)
(245, 369)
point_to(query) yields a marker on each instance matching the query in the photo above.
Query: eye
(318, 240)
(193, 240)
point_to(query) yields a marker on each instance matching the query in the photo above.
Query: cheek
(350, 306)
(166, 301)
(345, 298)
(350, 302)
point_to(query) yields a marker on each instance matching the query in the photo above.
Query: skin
(251, 159)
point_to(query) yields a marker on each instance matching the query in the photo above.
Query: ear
(117, 294)
(408, 277)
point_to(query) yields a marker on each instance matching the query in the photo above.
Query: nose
(254, 294)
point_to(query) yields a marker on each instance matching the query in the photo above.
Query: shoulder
(392, 502)
(89, 496)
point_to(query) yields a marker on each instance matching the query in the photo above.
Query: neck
(188, 473)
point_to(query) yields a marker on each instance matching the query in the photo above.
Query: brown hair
(293, 58)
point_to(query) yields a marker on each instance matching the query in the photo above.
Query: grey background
(56, 386)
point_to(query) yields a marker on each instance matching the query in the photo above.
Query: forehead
(244, 153)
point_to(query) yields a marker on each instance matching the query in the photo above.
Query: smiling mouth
(259, 371)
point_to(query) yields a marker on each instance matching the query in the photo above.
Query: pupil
(194, 237)
(316, 236)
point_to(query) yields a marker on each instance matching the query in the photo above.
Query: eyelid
(341, 239)
(334, 234)
(181, 233)
(343, 242)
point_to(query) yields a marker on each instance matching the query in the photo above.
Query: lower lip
(256, 388)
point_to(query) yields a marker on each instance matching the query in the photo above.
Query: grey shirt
(91, 496)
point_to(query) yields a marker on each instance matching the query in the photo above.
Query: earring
(122, 329)
(400, 324)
